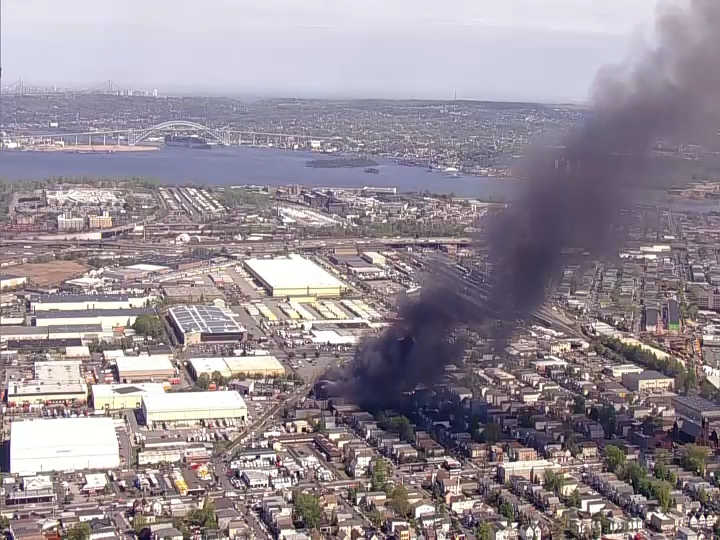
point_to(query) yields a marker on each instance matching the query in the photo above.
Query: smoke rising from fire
(673, 92)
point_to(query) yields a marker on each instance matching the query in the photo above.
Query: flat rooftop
(143, 363)
(649, 375)
(292, 272)
(58, 371)
(110, 390)
(9, 331)
(27, 389)
(71, 298)
(90, 313)
(187, 291)
(206, 320)
(91, 432)
(193, 401)
(696, 402)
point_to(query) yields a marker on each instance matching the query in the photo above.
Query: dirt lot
(51, 273)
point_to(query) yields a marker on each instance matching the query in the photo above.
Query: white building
(82, 302)
(63, 444)
(69, 224)
(115, 397)
(294, 276)
(144, 368)
(109, 319)
(11, 282)
(191, 407)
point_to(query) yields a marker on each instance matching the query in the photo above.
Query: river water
(263, 166)
(236, 166)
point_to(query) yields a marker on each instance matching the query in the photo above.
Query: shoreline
(87, 149)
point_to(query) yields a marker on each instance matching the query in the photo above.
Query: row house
(702, 520)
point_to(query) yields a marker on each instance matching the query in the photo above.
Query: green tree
(661, 491)
(553, 481)
(179, 524)
(203, 517)
(484, 531)
(376, 518)
(401, 426)
(379, 475)
(218, 378)
(614, 458)
(492, 433)
(507, 510)
(79, 531)
(694, 459)
(637, 477)
(661, 471)
(691, 378)
(308, 509)
(604, 523)
(559, 527)
(149, 325)
(320, 426)
(203, 381)
(574, 499)
(4, 523)
(399, 501)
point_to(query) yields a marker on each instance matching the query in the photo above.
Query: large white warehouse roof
(192, 401)
(111, 390)
(62, 444)
(143, 363)
(292, 272)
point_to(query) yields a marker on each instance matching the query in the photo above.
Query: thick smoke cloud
(572, 198)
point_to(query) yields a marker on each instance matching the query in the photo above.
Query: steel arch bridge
(219, 135)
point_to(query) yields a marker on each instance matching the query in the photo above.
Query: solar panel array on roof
(205, 319)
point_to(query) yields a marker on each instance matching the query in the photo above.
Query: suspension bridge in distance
(137, 136)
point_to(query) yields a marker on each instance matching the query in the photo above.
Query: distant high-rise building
(673, 315)
(101, 222)
(67, 223)
(154, 92)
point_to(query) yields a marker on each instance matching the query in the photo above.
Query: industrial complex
(294, 276)
(234, 366)
(115, 397)
(63, 444)
(190, 408)
(205, 324)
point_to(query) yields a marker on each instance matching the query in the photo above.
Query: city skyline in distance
(518, 50)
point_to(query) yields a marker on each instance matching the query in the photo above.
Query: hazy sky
(486, 49)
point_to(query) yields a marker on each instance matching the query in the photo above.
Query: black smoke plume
(572, 198)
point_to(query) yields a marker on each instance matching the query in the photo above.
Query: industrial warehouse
(189, 408)
(83, 302)
(63, 444)
(205, 324)
(294, 276)
(234, 366)
(53, 382)
(144, 368)
(87, 332)
(109, 319)
(8, 282)
(115, 397)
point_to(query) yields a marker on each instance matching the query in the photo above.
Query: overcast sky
(485, 49)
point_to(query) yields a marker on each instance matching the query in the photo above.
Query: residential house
(662, 523)
(422, 508)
